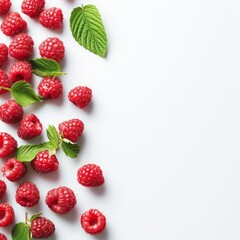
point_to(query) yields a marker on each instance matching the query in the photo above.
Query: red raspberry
(13, 24)
(27, 194)
(8, 144)
(51, 18)
(7, 215)
(4, 82)
(3, 189)
(71, 129)
(30, 127)
(93, 221)
(5, 6)
(52, 48)
(61, 200)
(44, 163)
(50, 88)
(32, 8)
(14, 170)
(11, 112)
(2, 237)
(21, 46)
(80, 96)
(20, 71)
(42, 227)
(90, 175)
(3, 53)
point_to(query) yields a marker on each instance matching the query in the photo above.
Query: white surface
(164, 123)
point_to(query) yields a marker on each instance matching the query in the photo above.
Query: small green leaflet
(70, 149)
(53, 136)
(20, 232)
(45, 67)
(24, 94)
(27, 153)
(33, 217)
(88, 29)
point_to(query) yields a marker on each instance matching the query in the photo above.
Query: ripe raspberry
(4, 82)
(7, 215)
(50, 88)
(11, 112)
(8, 144)
(20, 71)
(2, 237)
(13, 24)
(14, 170)
(61, 200)
(21, 46)
(52, 48)
(3, 53)
(5, 6)
(93, 221)
(90, 175)
(71, 129)
(30, 127)
(32, 8)
(27, 194)
(80, 96)
(44, 163)
(3, 189)
(42, 227)
(51, 18)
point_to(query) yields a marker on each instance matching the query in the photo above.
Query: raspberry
(32, 8)
(30, 127)
(11, 112)
(14, 170)
(2, 237)
(50, 88)
(93, 221)
(3, 189)
(20, 71)
(4, 82)
(71, 129)
(5, 6)
(42, 227)
(13, 24)
(51, 18)
(90, 175)
(21, 46)
(44, 162)
(8, 144)
(27, 194)
(3, 53)
(80, 96)
(7, 215)
(61, 200)
(52, 48)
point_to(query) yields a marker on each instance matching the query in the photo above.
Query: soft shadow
(89, 108)
(102, 236)
(98, 191)
(57, 102)
(6, 197)
(51, 177)
(72, 216)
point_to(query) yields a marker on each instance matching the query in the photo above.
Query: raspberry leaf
(45, 67)
(70, 149)
(27, 153)
(33, 217)
(20, 232)
(24, 94)
(53, 136)
(88, 29)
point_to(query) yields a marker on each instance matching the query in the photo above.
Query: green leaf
(45, 67)
(70, 149)
(24, 94)
(88, 29)
(35, 216)
(20, 232)
(26, 153)
(53, 136)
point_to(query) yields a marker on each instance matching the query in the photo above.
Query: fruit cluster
(62, 199)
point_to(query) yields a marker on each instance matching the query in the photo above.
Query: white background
(164, 123)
